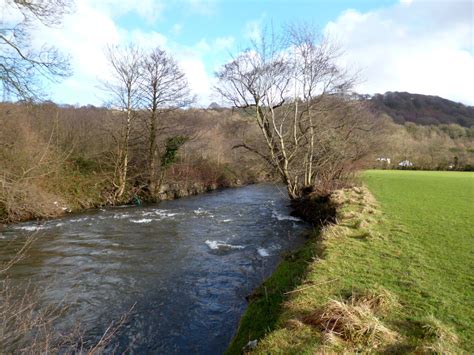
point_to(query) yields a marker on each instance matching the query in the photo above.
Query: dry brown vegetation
(355, 320)
(56, 158)
(443, 147)
(63, 158)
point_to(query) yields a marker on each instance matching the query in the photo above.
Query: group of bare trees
(292, 85)
(435, 147)
(143, 85)
(296, 92)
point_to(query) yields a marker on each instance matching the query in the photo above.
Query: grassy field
(395, 274)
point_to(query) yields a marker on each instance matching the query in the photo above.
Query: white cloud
(85, 34)
(10, 16)
(203, 7)
(149, 10)
(199, 61)
(253, 30)
(224, 43)
(145, 40)
(199, 81)
(417, 46)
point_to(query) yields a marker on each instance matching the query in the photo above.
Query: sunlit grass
(436, 212)
(413, 245)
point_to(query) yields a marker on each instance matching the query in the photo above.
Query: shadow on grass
(265, 304)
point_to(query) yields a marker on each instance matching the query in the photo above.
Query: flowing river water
(187, 265)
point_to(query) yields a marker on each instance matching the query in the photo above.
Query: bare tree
(259, 80)
(290, 85)
(124, 88)
(164, 88)
(21, 63)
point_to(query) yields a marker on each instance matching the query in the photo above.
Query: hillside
(423, 109)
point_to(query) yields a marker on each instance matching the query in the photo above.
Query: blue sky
(229, 17)
(409, 45)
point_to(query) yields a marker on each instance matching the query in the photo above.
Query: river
(187, 265)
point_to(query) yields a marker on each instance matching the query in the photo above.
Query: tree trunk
(152, 156)
(124, 166)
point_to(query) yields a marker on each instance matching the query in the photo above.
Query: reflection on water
(187, 264)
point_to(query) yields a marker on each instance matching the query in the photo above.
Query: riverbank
(84, 193)
(57, 159)
(185, 264)
(376, 280)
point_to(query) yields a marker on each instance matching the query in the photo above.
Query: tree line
(294, 117)
(427, 147)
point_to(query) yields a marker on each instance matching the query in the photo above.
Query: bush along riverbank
(75, 192)
(55, 159)
(349, 289)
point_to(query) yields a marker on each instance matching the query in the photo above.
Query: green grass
(416, 242)
(266, 302)
(437, 211)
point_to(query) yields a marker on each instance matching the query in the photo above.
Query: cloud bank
(85, 34)
(418, 46)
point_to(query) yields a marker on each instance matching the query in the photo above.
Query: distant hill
(422, 109)
(215, 106)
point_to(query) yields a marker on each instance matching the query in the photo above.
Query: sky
(418, 46)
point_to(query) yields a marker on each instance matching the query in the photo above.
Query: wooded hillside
(423, 109)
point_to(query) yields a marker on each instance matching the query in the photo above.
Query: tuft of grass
(440, 338)
(378, 300)
(406, 286)
(355, 320)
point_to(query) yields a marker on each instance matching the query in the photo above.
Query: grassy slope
(420, 249)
